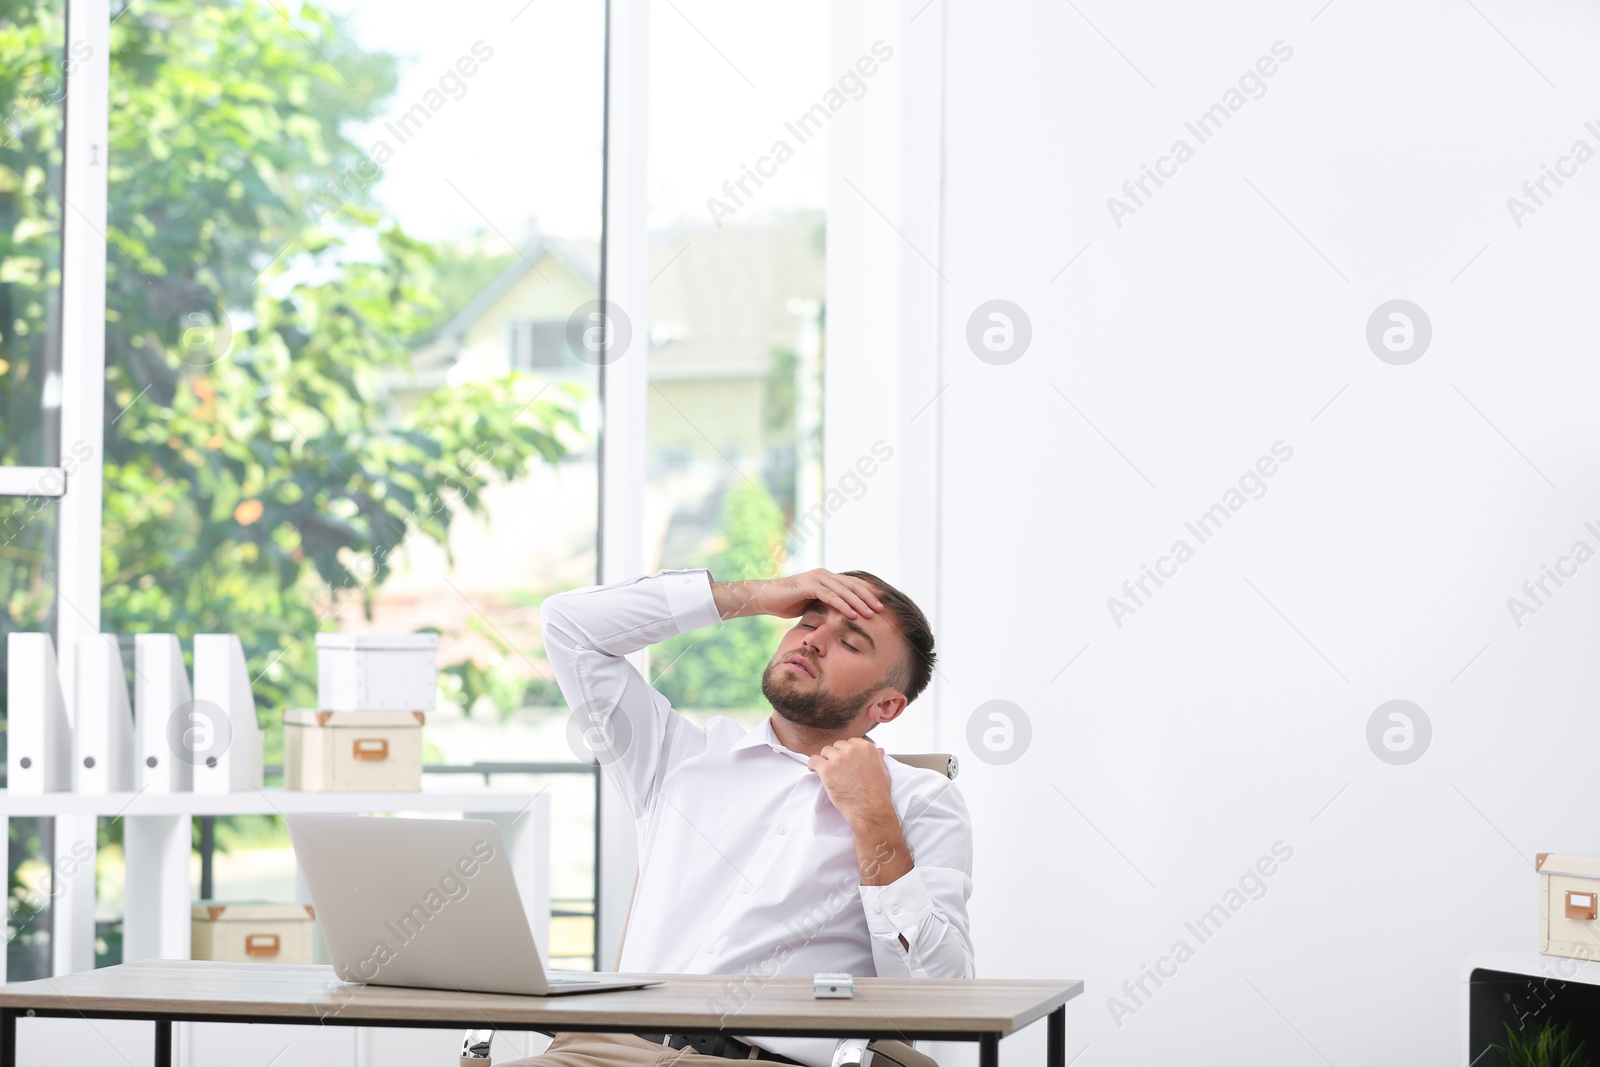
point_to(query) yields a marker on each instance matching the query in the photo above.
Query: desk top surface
(923, 1007)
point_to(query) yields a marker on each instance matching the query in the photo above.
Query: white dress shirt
(746, 867)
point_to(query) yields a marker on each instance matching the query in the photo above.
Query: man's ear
(888, 706)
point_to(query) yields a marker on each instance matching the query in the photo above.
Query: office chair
(850, 1052)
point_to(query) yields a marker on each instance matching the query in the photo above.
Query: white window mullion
(622, 467)
(83, 372)
(626, 284)
(83, 322)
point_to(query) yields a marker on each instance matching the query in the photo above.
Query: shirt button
(684, 581)
(894, 909)
(744, 889)
(877, 909)
(710, 948)
(783, 829)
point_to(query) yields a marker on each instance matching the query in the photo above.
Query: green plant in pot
(1547, 1046)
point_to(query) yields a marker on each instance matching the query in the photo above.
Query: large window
(346, 238)
(737, 259)
(34, 62)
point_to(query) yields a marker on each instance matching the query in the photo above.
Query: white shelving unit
(157, 844)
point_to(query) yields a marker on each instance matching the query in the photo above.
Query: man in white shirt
(793, 848)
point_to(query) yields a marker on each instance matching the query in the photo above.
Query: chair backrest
(943, 762)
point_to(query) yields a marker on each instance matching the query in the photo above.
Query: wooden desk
(168, 991)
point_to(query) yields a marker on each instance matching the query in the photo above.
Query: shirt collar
(762, 735)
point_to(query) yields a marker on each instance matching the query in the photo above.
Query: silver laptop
(428, 903)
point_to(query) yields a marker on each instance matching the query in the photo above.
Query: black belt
(723, 1045)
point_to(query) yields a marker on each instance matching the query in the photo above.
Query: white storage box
(250, 932)
(377, 672)
(1569, 904)
(352, 751)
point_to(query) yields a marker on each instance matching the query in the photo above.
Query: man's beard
(815, 708)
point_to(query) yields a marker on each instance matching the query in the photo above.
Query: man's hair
(910, 677)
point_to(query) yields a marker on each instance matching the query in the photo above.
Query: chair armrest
(851, 1052)
(879, 1052)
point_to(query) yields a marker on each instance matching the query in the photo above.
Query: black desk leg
(163, 1043)
(1056, 1038)
(8, 1037)
(989, 1050)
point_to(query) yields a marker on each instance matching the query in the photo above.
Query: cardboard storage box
(377, 672)
(352, 751)
(250, 932)
(1569, 904)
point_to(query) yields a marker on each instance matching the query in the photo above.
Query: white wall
(1228, 314)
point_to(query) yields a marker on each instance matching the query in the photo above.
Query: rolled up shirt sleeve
(928, 904)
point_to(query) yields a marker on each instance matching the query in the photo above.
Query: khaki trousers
(603, 1050)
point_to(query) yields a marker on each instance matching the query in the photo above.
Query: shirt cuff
(897, 908)
(689, 597)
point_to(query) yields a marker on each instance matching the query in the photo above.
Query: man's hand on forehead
(793, 596)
